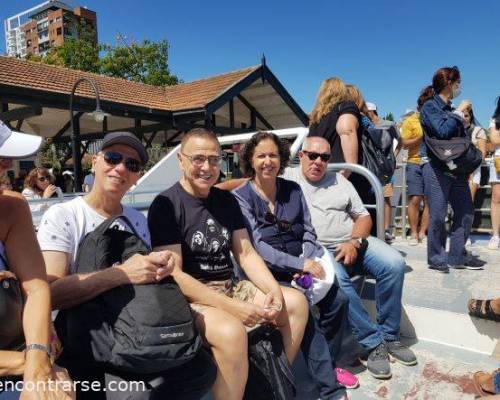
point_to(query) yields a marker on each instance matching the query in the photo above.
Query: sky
(389, 49)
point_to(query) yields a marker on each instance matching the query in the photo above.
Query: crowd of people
(280, 226)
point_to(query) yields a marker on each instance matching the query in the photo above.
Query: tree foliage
(145, 62)
(389, 117)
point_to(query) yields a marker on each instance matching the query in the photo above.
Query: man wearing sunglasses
(343, 226)
(117, 167)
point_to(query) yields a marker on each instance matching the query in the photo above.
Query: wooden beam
(20, 113)
(65, 127)
(150, 140)
(254, 110)
(19, 124)
(231, 113)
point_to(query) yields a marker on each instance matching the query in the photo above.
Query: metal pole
(377, 188)
(75, 133)
(404, 198)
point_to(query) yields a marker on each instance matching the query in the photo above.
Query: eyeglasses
(43, 178)
(283, 225)
(325, 157)
(115, 158)
(198, 160)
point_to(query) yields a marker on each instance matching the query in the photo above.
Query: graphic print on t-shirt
(210, 242)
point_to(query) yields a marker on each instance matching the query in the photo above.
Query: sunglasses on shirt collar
(283, 225)
(115, 158)
(313, 156)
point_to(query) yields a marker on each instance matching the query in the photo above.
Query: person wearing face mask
(442, 186)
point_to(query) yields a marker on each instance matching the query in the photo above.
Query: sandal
(478, 379)
(482, 309)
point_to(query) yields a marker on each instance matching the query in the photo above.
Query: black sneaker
(377, 362)
(401, 353)
(444, 269)
(471, 262)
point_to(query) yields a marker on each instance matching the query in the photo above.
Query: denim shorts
(414, 180)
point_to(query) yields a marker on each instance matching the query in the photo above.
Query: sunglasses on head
(283, 225)
(313, 156)
(115, 158)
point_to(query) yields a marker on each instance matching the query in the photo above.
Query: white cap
(371, 106)
(408, 112)
(16, 144)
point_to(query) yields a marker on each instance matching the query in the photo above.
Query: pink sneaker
(347, 378)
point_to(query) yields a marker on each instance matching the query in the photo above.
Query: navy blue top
(439, 121)
(283, 251)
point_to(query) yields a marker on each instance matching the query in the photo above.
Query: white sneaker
(494, 243)
(468, 243)
(413, 241)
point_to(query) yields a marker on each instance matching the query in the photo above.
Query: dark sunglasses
(115, 158)
(43, 178)
(283, 225)
(325, 157)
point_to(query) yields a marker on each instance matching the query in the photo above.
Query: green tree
(80, 52)
(146, 62)
(389, 117)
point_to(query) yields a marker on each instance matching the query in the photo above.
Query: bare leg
(227, 338)
(413, 214)
(424, 223)
(473, 188)
(387, 213)
(292, 320)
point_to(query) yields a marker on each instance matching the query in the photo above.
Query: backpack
(141, 329)
(378, 155)
(270, 375)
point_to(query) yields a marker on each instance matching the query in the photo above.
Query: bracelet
(39, 347)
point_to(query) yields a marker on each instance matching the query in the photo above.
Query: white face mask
(456, 91)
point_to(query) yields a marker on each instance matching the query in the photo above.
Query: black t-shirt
(327, 128)
(203, 227)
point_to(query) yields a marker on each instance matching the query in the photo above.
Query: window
(28, 43)
(59, 31)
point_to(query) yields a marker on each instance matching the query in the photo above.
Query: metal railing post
(377, 188)
(404, 198)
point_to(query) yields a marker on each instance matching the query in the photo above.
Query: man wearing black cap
(117, 167)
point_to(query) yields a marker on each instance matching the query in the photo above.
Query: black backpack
(378, 155)
(270, 375)
(141, 329)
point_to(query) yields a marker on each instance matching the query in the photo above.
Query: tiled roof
(16, 72)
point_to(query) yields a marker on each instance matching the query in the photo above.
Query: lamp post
(99, 116)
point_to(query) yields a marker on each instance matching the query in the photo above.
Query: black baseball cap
(127, 139)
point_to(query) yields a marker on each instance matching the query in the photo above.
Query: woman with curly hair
(38, 185)
(279, 221)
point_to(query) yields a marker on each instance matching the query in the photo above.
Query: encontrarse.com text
(66, 386)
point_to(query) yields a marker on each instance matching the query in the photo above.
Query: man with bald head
(343, 225)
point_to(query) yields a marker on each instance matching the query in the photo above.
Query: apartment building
(49, 24)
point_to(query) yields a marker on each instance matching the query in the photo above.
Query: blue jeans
(440, 188)
(322, 340)
(496, 382)
(387, 266)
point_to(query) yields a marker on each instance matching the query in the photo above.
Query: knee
(495, 196)
(296, 303)
(232, 338)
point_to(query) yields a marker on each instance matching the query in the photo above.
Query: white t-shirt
(64, 225)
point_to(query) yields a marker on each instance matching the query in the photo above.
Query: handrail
(377, 188)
